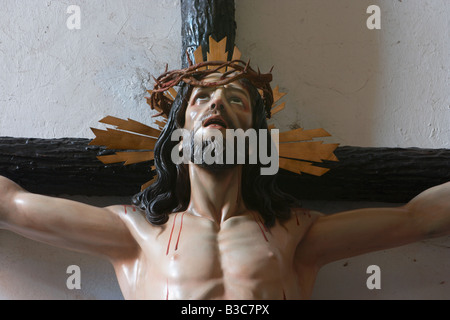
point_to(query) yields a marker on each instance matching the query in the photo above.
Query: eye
(202, 98)
(236, 100)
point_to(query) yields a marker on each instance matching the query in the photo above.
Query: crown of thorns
(194, 75)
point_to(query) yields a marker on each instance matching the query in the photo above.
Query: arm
(64, 223)
(352, 233)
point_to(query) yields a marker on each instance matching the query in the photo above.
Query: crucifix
(201, 231)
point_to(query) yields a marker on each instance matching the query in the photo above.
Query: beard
(210, 152)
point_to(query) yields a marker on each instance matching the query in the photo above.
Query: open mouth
(216, 122)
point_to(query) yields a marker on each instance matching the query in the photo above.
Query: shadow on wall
(325, 58)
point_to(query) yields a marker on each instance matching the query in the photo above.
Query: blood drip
(179, 233)
(167, 289)
(171, 232)
(261, 228)
(125, 208)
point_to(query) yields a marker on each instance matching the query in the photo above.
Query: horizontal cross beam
(69, 166)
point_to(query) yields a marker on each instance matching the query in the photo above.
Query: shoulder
(123, 209)
(300, 221)
(127, 212)
(133, 218)
(305, 216)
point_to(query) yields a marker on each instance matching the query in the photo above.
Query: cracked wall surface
(56, 82)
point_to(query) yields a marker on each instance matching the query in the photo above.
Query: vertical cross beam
(201, 19)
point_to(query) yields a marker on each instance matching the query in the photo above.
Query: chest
(196, 258)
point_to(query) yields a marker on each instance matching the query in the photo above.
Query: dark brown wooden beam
(373, 174)
(69, 166)
(201, 19)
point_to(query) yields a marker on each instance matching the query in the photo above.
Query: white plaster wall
(385, 87)
(56, 82)
(371, 88)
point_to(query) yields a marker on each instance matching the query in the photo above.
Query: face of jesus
(223, 107)
(210, 112)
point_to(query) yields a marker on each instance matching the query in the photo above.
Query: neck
(216, 195)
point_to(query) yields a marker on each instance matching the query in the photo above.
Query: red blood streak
(167, 289)
(171, 232)
(296, 217)
(262, 230)
(262, 223)
(179, 233)
(306, 211)
(125, 207)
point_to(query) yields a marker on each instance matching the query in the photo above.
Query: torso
(192, 257)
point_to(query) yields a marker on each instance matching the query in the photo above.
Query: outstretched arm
(355, 232)
(64, 223)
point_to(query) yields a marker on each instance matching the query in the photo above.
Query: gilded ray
(302, 135)
(198, 56)
(127, 157)
(277, 95)
(217, 51)
(310, 151)
(298, 166)
(131, 125)
(236, 54)
(277, 109)
(173, 93)
(148, 183)
(116, 139)
(160, 124)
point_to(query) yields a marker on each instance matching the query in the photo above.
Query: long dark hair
(171, 191)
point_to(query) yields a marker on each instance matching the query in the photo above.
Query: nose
(218, 101)
(218, 106)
